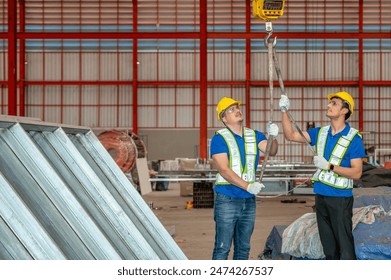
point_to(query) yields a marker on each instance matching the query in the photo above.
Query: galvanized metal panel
(259, 70)
(58, 193)
(24, 173)
(239, 66)
(147, 114)
(96, 214)
(22, 236)
(371, 69)
(90, 66)
(34, 66)
(100, 196)
(127, 196)
(108, 106)
(166, 109)
(52, 66)
(148, 117)
(89, 115)
(3, 70)
(109, 66)
(378, 114)
(167, 66)
(16, 250)
(315, 62)
(187, 119)
(221, 66)
(226, 66)
(72, 12)
(71, 95)
(187, 66)
(386, 69)
(166, 95)
(185, 12)
(147, 68)
(296, 66)
(125, 66)
(125, 109)
(166, 116)
(187, 96)
(71, 66)
(35, 95)
(69, 199)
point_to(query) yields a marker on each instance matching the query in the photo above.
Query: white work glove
(321, 162)
(255, 188)
(272, 129)
(284, 103)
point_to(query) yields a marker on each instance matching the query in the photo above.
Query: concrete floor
(193, 229)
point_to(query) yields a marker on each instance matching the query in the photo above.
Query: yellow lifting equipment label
(268, 9)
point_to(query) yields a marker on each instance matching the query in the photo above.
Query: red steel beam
(196, 35)
(347, 83)
(302, 35)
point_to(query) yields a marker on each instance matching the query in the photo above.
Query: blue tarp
(372, 241)
(373, 196)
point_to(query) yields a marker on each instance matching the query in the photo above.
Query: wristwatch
(331, 167)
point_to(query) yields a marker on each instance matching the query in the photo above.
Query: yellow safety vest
(329, 177)
(235, 161)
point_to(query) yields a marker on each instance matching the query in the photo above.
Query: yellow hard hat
(223, 104)
(345, 97)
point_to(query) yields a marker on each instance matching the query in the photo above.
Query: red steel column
(12, 45)
(22, 55)
(361, 69)
(248, 65)
(203, 80)
(135, 68)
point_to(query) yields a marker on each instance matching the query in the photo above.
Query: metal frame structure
(205, 29)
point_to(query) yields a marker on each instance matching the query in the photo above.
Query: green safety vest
(329, 177)
(235, 161)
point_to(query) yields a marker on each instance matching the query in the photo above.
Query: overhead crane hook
(267, 38)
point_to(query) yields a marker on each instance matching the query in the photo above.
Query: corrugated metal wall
(88, 76)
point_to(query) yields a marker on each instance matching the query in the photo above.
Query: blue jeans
(235, 219)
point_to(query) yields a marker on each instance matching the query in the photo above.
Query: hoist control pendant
(268, 9)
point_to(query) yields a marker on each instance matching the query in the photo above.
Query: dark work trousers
(334, 218)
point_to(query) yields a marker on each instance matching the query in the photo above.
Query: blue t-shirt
(355, 150)
(218, 146)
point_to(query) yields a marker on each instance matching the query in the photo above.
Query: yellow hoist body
(268, 10)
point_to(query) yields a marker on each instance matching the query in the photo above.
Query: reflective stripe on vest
(235, 161)
(329, 177)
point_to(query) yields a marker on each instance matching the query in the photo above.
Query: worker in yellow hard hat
(338, 159)
(236, 151)
(347, 101)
